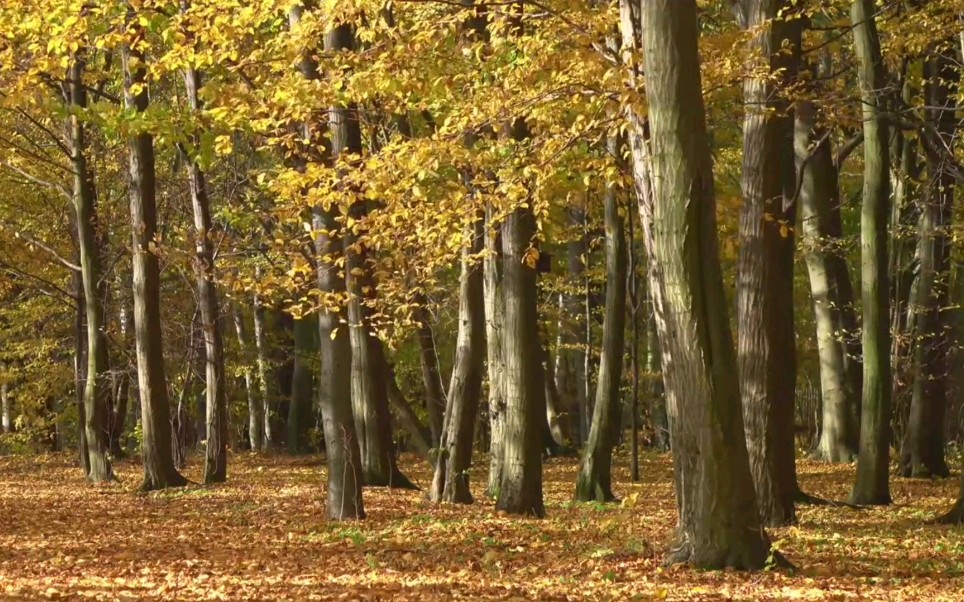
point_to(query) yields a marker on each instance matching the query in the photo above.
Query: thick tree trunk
(451, 480)
(818, 193)
(97, 389)
(719, 523)
(492, 271)
(255, 420)
(431, 374)
(216, 448)
(922, 453)
(594, 481)
(520, 489)
(766, 344)
(871, 486)
(301, 407)
(159, 470)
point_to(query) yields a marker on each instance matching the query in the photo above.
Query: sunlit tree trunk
(719, 523)
(571, 374)
(492, 271)
(6, 404)
(255, 421)
(261, 370)
(766, 344)
(216, 448)
(451, 480)
(594, 481)
(98, 386)
(871, 486)
(818, 192)
(159, 469)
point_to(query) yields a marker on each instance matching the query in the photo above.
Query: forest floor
(263, 536)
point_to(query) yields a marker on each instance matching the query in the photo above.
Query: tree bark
(301, 407)
(719, 522)
(334, 378)
(431, 374)
(216, 448)
(520, 489)
(6, 404)
(451, 479)
(571, 375)
(818, 193)
(159, 469)
(594, 481)
(492, 271)
(766, 344)
(871, 486)
(255, 420)
(98, 386)
(922, 452)
(261, 366)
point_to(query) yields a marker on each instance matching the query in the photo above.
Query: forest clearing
(264, 535)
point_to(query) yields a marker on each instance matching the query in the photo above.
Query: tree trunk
(159, 470)
(334, 378)
(818, 193)
(766, 344)
(6, 405)
(255, 420)
(301, 407)
(369, 394)
(451, 480)
(97, 389)
(871, 486)
(520, 488)
(571, 375)
(80, 367)
(431, 374)
(420, 436)
(556, 415)
(495, 354)
(922, 453)
(216, 448)
(594, 481)
(261, 374)
(719, 523)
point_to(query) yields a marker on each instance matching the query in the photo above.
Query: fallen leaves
(263, 536)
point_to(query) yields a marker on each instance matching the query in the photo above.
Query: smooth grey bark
(719, 522)
(159, 469)
(98, 386)
(342, 451)
(419, 435)
(451, 479)
(766, 345)
(594, 481)
(255, 420)
(216, 420)
(556, 419)
(922, 452)
(492, 271)
(301, 406)
(818, 193)
(871, 485)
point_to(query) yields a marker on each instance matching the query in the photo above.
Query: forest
(481, 299)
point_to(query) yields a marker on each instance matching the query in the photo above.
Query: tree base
(751, 555)
(954, 517)
(396, 480)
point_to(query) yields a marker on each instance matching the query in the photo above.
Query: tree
(300, 409)
(719, 522)
(871, 486)
(159, 469)
(451, 480)
(767, 343)
(97, 389)
(595, 473)
(922, 452)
